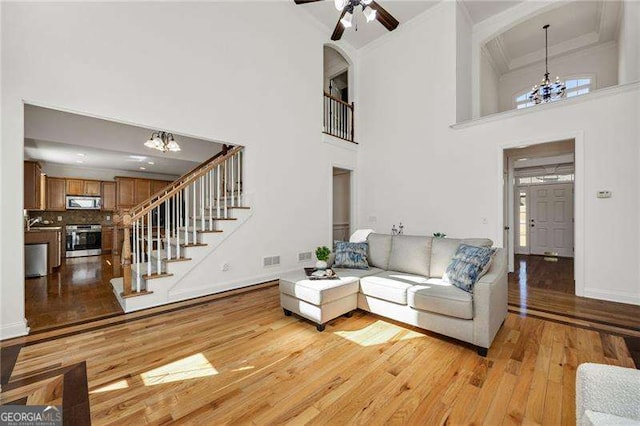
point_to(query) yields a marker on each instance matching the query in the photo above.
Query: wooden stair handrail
(338, 100)
(176, 186)
(163, 190)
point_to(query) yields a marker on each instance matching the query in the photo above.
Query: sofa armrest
(490, 301)
(607, 389)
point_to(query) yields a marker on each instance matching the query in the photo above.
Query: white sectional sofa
(404, 283)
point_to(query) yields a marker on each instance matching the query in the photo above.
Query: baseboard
(15, 329)
(193, 292)
(612, 296)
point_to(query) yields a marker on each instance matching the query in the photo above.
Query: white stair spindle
(195, 212)
(218, 191)
(202, 182)
(149, 242)
(186, 215)
(210, 174)
(167, 227)
(158, 237)
(240, 202)
(178, 221)
(136, 249)
(226, 184)
(233, 183)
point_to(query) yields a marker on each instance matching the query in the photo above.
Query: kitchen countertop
(44, 229)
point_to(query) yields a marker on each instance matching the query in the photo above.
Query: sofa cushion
(351, 255)
(443, 250)
(391, 286)
(379, 250)
(410, 254)
(442, 298)
(468, 265)
(357, 273)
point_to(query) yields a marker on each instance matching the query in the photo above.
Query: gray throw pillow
(351, 255)
(468, 265)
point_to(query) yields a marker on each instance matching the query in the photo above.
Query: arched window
(575, 87)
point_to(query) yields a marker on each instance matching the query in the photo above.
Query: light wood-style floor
(240, 360)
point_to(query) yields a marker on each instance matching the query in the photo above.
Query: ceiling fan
(370, 9)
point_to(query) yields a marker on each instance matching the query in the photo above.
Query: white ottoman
(318, 300)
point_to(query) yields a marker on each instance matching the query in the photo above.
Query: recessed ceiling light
(79, 161)
(81, 154)
(143, 168)
(151, 163)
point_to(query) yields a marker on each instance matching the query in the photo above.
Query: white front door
(551, 219)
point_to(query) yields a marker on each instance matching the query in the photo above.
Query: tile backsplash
(74, 217)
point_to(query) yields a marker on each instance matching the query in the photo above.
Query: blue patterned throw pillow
(351, 255)
(468, 265)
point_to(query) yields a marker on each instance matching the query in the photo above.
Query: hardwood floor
(79, 291)
(546, 289)
(240, 360)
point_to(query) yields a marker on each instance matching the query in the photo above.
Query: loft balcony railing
(338, 118)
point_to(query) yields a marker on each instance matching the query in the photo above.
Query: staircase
(173, 231)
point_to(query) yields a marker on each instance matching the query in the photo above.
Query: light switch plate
(604, 194)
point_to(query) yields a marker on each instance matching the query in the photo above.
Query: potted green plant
(322, 254)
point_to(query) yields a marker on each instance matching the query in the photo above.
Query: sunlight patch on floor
(378, 333)
(120, 384)
(192, 367)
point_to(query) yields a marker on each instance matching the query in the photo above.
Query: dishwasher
(35, 260)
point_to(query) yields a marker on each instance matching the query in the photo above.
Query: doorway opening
(341, 204)
(539, 211)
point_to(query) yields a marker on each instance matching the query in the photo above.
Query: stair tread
(135, 294)
(179, 259)
(194, 245)
(156, 276)
(206, 217)
(204, 231)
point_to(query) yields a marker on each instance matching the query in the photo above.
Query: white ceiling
(59, 137)
(573, 26)
(403, 11)
(479, 10)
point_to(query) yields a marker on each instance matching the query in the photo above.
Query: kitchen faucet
(33, 221)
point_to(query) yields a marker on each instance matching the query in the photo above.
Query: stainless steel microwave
(83, 203)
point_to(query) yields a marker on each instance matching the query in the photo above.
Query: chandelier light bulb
(369, 14)
(346, 20)
(340, 4)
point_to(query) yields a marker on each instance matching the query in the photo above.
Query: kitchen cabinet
(132, 191)
(52, 236)
(142, 190)
(56, 194)
(108, 196)
(107, 238)
(83, 187)
(34, 186)
(125, 193)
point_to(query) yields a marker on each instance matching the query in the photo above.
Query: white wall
(489, 86)
(629, 43)
(600, 61)
(414, 167)
(70, 55)
(463, 63)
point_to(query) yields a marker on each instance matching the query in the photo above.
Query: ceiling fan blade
(339, 29)
(305, 1)
(384, 17)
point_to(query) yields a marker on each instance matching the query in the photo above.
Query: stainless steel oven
(83, 240)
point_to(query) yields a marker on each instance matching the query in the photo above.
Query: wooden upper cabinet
(125, 192)
(34, 186)
(92, 187)
(158, 185)
(142, 191)
(75, 187)
(83, 187)
(108, 196)
(56, 194)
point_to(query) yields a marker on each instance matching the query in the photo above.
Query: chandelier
(349, 6)
(547, 91)
(162, 141)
